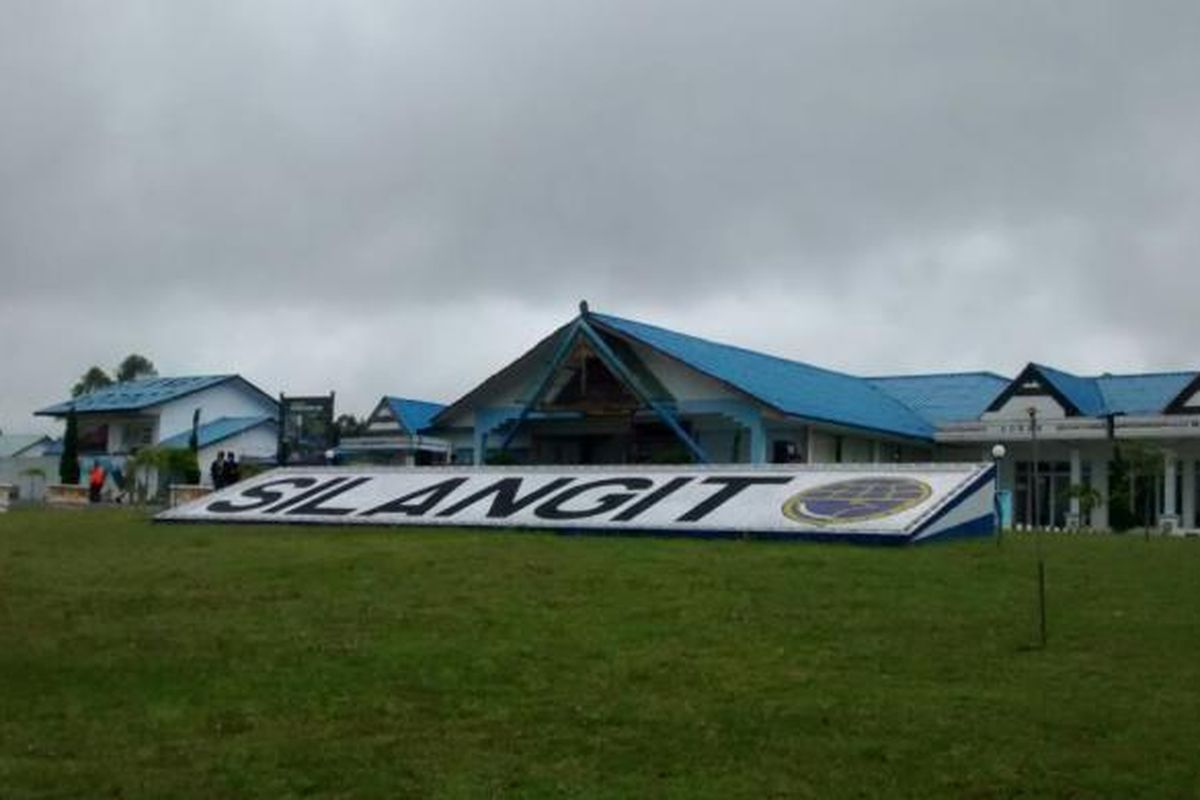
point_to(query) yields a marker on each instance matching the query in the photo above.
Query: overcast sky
(401, 197)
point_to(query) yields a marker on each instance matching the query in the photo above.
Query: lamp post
(1034, 517)
(1037, 533)
(998, 453)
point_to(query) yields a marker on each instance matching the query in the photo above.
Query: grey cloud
(371, 166)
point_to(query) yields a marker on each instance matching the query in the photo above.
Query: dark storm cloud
(925, 183)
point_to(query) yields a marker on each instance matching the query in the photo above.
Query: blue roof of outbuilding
(135, 395)
(414, 415)
(216, 431)
(792, 387)
(949, 397)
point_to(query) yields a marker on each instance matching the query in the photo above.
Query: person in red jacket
(95, 482)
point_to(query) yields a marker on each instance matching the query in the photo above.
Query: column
(876, 451)
(480, 448)
(1076, 480)
(1100, 484)
(1169, 519)
(1189, 493)
(758, 442)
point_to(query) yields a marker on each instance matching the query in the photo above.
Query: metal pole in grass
(1037, 532)
(998, 453)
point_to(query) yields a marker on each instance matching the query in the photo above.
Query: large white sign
(871, 501)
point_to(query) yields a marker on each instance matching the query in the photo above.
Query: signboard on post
(867, 502)
(306, 430)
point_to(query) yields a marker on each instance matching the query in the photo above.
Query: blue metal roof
(414, 415)
(949, 397)
(793, 387)
(135, 395)
(1142, 394)
(216, 431)
(1098, 396)
(1083, 393)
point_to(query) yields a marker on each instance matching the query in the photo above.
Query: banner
(873, 502)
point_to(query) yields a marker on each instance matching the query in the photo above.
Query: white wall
(683, 382)
(29, 487)
(1017, 408)
(258, 442)
(856, 450)
(822, 448)
(229, 399)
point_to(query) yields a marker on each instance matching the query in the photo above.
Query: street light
(1037, 532)
(998, 453)
(1031, 498)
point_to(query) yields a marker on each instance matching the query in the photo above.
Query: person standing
(95, 482)
(216, 471)
(231, 473)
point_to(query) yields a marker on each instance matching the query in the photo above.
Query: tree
(135, 366)
(1089, 499)
(95, 378)
(1133, 473)
(349, 425)
(68, 462)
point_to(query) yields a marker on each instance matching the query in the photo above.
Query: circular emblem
(856, 500)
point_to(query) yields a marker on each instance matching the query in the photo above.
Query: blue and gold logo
(856, 500)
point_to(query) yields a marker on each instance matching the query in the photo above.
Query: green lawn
(142, 660)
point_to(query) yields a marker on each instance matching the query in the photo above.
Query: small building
(250, 439)
(606, 390)
(25, 445)
(393, 435)
(118, 421)
(28, 462)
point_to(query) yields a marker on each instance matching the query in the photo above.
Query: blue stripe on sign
(959, 498)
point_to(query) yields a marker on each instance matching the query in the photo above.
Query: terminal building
(606, 390)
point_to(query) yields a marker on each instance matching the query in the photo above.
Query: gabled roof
(1099, 396)
(1082, 393)
(1145, 394)
(142, 394)
(14, 444)
(944, 398)
(792, 387)
(414, 415)
(218, 430)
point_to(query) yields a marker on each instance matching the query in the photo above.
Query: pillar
(1189, 493)
(758, 442)
(1076, 479)
(1100, 484)
(1169, 519)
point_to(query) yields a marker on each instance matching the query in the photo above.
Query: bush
(501, 458)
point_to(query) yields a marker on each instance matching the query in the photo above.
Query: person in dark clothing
(216, 471)
(231, 472)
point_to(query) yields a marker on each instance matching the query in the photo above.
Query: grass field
(141, 660)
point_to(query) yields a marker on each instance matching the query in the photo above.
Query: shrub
(68, 462)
